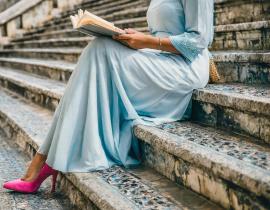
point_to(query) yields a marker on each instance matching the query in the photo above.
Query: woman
(115, 87)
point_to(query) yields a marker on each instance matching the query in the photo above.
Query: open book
(91, 24)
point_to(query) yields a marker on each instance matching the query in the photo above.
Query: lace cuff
(188, 44)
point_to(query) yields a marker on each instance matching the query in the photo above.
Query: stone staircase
(219, 159)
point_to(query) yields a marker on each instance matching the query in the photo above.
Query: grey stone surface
(242, 108)
(230, 11)
(40, 90)
(49, 68)
(114, 10)
(13, 163)
(41, 85)
(17, 9)
(188, 154)
(242, 36)
(238, 147)
(63, 54)
(243, 66)
(50, 43)
(4, 4)
(139, 22)
(115, 188)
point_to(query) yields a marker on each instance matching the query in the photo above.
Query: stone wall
(24, 15)
(66, 5)
(4, 4)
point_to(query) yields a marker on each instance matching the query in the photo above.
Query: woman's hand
(134, 39)
(138, 40)
(132, 31)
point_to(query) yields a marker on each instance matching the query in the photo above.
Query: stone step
(123, 22)
(243, 66)
(65, 33)
(65, 54)
(241, 108)
(108, 7)
(51, 69)
(99, 8)
(105, 189)
(60, 41)
(51, 43)
(40, 90)
(137, 23)
(242, 36)
(224, 10)
(132, 10)
(240, 11)
(126, 12)
(228, 169)
(115, 6)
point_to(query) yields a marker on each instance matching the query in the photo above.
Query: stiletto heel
(31, 187)
(54, 177)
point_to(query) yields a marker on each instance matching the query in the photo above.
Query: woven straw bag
(213, 72)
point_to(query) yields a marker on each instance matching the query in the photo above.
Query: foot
(32, 186)
(34, 167)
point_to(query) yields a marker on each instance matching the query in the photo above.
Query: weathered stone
(244, 109)
(48, 96)
(244, 67)
(242, 36)
(16, 10)
(229, 11)
(4, 4)
(195, 151)
(69, 55)
(52, 69)
(105, 189)
(37, 15)
(66, 5)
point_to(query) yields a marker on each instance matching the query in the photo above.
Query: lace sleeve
(198, 28)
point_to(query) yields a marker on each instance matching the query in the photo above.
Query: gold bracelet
(160, 44)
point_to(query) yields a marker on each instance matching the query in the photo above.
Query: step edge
(155, 137)
(43, 63)
(232, 100)
(34, 87)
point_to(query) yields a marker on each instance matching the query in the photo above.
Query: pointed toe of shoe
(18, 185)
(10, 184)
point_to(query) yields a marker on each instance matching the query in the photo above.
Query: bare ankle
(34, 166)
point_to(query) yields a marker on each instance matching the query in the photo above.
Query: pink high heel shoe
(32, 187)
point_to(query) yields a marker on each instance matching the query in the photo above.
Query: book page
(92, 24)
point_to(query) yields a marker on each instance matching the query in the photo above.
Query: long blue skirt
(113, 88)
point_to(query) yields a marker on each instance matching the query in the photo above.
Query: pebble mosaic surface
(12, 166)
(135, 190)
(246, 90)
(238, 148)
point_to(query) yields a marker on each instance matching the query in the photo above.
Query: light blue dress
(114, 88)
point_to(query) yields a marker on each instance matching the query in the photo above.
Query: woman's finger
(130, 31)
(123, 37)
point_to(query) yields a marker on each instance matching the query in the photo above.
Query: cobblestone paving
(12, 166)
(241, 149)
(135, 190)
(245, 90)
